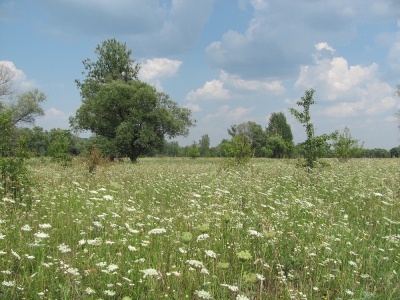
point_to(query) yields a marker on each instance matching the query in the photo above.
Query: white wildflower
(157, 231)
(2, 236)
(41, 235)
(45, 226)
(204, 271)
(203, 294)
(202, 237)
(241, 297)
(350, 293)
(112, 267)
(95, 242)
(93, 192)
(26, 227)
(108, 197)
(64, 248)
(255, 233)
(233, 288)
(260, 277)
(82, 242)
(73, 271)
(353, 263)
(109, 293)
(8, 283)
(210, 253)
(8, 200)
(195, 263)
(101, 264)
(378, 194)
(149, 272)
(15, 254)
(131, 248)
(90, 291)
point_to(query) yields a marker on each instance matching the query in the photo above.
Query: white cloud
(19, 78)
(232, 86)
(193, 107)
(237, 83)
(159, 68)
(55, 114)
(357, 90)
(152, 70)
(281, 35)
(212, 90)
(231, 115)
(324, 45)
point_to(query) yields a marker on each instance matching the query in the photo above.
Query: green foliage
(193, 152)
(313, 144)
(58, 149)
(131, 115)
(345, 146)
(253, 132)
(204, 145)
(278, 125)
(395, 152)
(15, 179)
(241, 149)
(279, 136)
(27, 107)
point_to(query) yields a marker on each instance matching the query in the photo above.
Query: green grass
(190, 229)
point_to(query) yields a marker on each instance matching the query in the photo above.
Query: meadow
(192, 229)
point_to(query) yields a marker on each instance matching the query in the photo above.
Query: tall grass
(190, 229)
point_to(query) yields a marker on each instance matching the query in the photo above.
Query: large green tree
(129, 116)
(253, 132)
(279, 135)
(15, 110)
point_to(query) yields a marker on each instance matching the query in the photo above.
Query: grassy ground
(190, 229)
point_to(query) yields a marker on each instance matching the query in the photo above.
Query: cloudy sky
(229, 61)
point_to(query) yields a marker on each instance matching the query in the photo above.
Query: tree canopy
(129, 116)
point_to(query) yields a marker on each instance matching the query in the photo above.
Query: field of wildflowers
(190, 229)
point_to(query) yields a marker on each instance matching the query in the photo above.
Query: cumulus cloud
(154, 27)
(55, 114)
(355, 89)
(212, 90)
(19, 78)
(193, 107)
(281, 34)
(232, 86)
(224, 113)
(158, 68)
(152, 70)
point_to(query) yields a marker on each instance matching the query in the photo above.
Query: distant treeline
(39, 142)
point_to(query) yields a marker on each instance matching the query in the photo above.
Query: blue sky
(230, 61)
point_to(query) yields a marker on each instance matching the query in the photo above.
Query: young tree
(312, 143)
(129, 114)
(345, 146)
